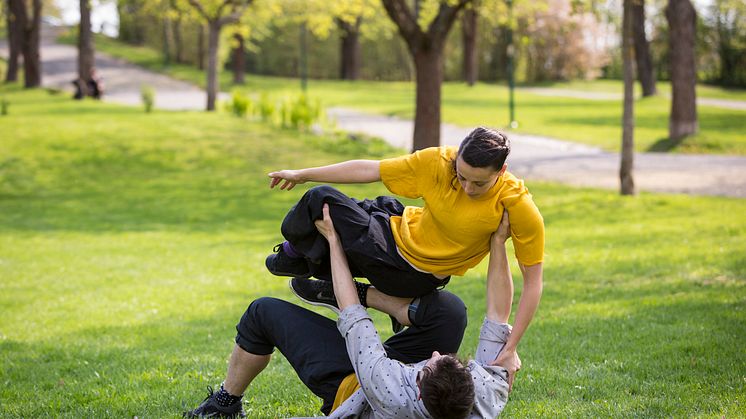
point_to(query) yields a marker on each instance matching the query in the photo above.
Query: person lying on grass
(356, 375)
(407, 252)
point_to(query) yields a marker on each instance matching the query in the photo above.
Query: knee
(451, 307)
(322, 191)
(258, 309)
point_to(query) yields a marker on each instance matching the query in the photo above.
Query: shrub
(300, 113)
(147, 94)
(239, 104)
(266, 108)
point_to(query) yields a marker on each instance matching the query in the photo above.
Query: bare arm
(499, 280)
(530, 297)
(352, 171)
(500, 297)
(344, 289)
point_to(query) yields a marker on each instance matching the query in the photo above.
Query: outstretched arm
(352, 171)
(344, 288)
(500, 297)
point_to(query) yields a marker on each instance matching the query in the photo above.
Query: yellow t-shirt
(346, 388)
(451, 233)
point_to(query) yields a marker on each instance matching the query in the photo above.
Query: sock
(290, 250)
(226, 399)
(362, 292)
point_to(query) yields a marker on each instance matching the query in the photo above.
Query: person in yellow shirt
(406, 252)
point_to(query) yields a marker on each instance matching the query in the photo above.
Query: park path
(532, 157)
(739, 105)
(122, 80)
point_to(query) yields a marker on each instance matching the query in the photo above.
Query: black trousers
(364, 229)
(316, 350)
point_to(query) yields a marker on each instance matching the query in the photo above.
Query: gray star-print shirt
(388, 387)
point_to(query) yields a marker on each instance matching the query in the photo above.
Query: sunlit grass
(594, 122)
(131, 244)
(663, 87)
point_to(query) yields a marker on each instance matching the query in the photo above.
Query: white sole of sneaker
(313, 303)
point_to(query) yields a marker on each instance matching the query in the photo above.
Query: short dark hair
(485, 147)
(447, 390)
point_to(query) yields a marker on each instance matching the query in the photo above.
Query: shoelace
(211, 392)
(190, 413)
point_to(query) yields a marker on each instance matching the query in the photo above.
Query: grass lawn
(588, 121)
(664, 87)
(131, 243)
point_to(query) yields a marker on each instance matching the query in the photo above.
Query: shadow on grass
(665, 144)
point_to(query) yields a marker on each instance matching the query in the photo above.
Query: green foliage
(147, 95)
(299, 112)
(4, 105)
(266, 107)
(141, 241)
(240, 104)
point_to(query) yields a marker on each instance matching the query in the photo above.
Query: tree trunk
(239, 59)
(201, 47)
(85, 47)
(426, 48)
(166, 40)
(30, 43)
(645, 71)
(469, 37)
(429, 70)
(350, 49)
(178, 46)
(628, 122)
(682, 19)
(212, 63)
(14, 40)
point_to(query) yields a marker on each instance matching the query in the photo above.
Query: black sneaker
(315, 291)
(209, 408)
(281, 264)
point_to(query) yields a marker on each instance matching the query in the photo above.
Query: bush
(147, 94)
(266, 108)
(300, 113)
(239, 104)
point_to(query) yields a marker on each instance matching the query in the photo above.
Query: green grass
(131, 243)
(591, 122)
(664, 87)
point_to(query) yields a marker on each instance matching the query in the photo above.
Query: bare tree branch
(201, 10)
(235, 16)
(399, 12)
(442, 23)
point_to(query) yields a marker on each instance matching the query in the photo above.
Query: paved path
(533, 157)
(543, 91)
(542, 158)
(122, 80)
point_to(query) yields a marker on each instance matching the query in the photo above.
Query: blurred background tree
(555, 40)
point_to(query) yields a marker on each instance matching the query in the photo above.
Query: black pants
(364, 229)
(316, 350)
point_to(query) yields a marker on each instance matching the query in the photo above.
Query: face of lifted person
(476, 181)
